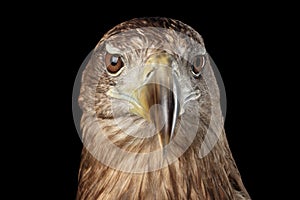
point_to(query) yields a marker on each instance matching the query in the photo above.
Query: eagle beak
(157, 97)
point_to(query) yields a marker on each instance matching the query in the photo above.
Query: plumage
(134, 149)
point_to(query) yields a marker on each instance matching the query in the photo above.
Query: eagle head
(152, 125)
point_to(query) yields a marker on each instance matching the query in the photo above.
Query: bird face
(144, 91)
(154, 98)
(154, 79)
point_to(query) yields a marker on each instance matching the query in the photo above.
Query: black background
(53, 42)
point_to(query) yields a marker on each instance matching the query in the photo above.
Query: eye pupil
(114, 60)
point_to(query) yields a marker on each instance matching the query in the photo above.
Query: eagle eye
(113, 63)
(197, 66)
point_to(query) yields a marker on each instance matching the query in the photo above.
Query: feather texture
(190, 176)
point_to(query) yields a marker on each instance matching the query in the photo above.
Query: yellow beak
(157, 97)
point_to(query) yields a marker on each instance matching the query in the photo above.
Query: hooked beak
(157, 97)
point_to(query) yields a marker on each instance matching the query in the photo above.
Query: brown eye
(113, 63)
(197, 65)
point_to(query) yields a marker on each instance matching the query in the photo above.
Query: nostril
(149, 73)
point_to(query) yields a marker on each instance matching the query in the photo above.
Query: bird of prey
(152, 123)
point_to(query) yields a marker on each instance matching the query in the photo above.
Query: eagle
(152, 122)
